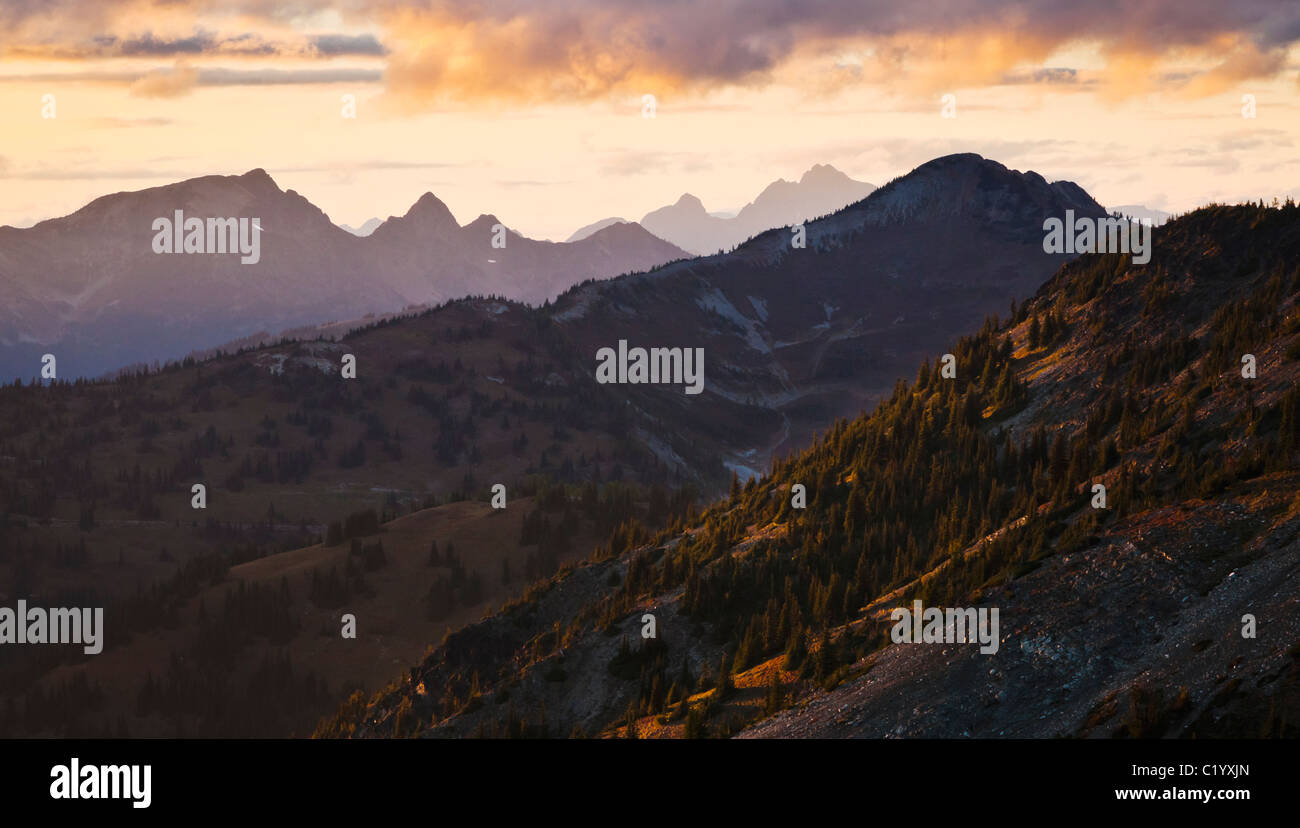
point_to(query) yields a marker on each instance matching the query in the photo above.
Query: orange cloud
(1239, 60)
(512, 51)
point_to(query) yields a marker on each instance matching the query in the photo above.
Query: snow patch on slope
(715, 301)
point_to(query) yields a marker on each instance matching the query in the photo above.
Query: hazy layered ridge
(89, 288)
(687, 224)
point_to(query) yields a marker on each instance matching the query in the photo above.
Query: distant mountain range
(365, 229)
(90, 289)
(793, 337)
(820, 191)
(596, 226)
(873, 284)
(1140, 212)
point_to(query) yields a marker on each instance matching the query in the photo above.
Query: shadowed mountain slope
(977, 491)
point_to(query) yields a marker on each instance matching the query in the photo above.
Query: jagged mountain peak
(427, 218)
(820, 173)
(690, 202)
(429, 206)
(259, 177)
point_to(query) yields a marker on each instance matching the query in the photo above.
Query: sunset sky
(533, 110)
